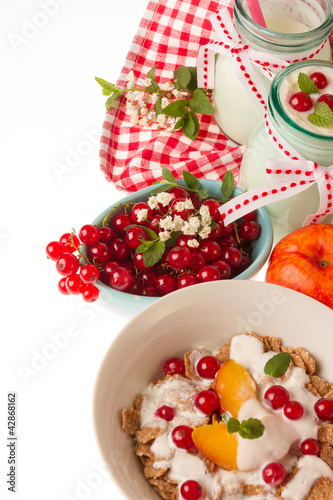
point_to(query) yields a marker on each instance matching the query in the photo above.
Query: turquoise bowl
(129, 304)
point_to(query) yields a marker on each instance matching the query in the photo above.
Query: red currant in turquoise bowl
(170, 236)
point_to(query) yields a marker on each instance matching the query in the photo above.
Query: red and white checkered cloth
(169, 35)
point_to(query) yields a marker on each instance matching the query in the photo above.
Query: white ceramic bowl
(207, 314)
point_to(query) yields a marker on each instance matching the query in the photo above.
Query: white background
(51, 113)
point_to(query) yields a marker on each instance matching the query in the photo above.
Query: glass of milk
(294, 27)
(311, 142)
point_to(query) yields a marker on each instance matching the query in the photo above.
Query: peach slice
(215, 443)
(234, 386)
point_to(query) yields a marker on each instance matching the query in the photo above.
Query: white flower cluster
(196, 225)
(140, 105)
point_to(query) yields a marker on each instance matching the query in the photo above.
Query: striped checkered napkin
(132, 156)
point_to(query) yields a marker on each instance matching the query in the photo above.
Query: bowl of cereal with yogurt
(220, 391)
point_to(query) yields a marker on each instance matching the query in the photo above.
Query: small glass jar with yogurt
(294, 28)
(311, 142)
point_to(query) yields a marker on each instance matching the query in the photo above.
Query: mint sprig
(252, 428)
(306, 84)
(323, 115)
(277, 365)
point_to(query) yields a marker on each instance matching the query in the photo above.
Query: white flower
(144, 121)
(142, 103)
(131, 79)
(130, 96)
(204, 211)
(167, 223)
(147, 82)
(129, 105)
(205, 232)
(153, 98)
(188, 229)
(164, 235)
(164, 199)
(188, 204)
(152, 115)
(193, 243)
(194, 222)
(161, 119)
(169, 85)
(177, 93)
(178, 222)
(152, 202)
(144, 111)
(142, 214)
(134, 116)
(180, 206)
(165, 102)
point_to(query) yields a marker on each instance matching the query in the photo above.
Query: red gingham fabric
(132, 156)
(169, 35)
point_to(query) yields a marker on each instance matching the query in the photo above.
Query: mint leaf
(160, 189)
(172, 240)
(251, 428)
(154, 253)
(193, 84)
(228, 185)
(167, 175)
(200, 103)
(225, 417)
(183, 76)
(110, 100)
(203, 194)
(277, 365)
(191, 181)
(145, 245)
(158, 106)
(179, 123)
(213, 224)
(151, 74)
(306, 84)
(190, 125)
(176, 108)
(108, 88)
(233, 425)
(323, 115)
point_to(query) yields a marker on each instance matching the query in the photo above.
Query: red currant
(54, 250)
(276, 397)
(225, 230)
(74, 284)
(184, 214)
(249, 230)
(119, 249)
(89, 273)
(139, 262)
(178, 192)
(208, 366)
(195, 200)
(182, 437)
(206, 401)
(174, 366)
(213, 207)
(90, 293)
(327, 99)
(121, 279)
(182, 240)
(139, 217)
(165, 412)
(300, 101)
(224, 269)
(245, 263)
(67, 264)
(228, 241)
(197, 261)
(70, 241)
(319, 79)
(208, 273)
(293, 410)
(134, 236)
(62, 286)
(310, 446)
(106, 271)
(149, 277)
(149, 291)
(215, 233)
(251, 215)
(185, 280)
(99, 253)
(106, 234)
(232, 256)
(179, 257)
(136, 287)
(191, 490)
(210, 250)
(166, 283)
(89, 234)
(154, 223)
(274, 474)
(324, 409)
(121, 221)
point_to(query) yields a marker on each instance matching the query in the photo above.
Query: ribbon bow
(289, 177)
(230, 44)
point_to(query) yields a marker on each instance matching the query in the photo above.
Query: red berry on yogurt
(206, 401)
(310, 447)
(165, 412)
(300, 101)
(174, 366)
(324, 409)
(208, 366)
(182, 437)
(327, 99)
(319, 79)
(293, 410)
(276, 397)
(191, 490)
(274, 473)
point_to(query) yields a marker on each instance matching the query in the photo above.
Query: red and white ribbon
(229, 43)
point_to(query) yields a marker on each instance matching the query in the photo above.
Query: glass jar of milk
(294, 27)
(310, 141)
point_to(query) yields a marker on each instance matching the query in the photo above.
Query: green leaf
(306, 84)
(160, 189)
(193, 84)
(176, 108)
(251, 428)
(167, 175)
(203, 194)
(183, 76)
(200, 103)
(213, 224)
(154, 253)
(145, 245)
(158, 106)
(323, 115)
(228, 185)
(149, 232)
(233, 425)
(110, 100)
(172, 240)
(151, 74)
(108, 88)
(277, 365)
(191, 181)
(190, 125)
(179, 123)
